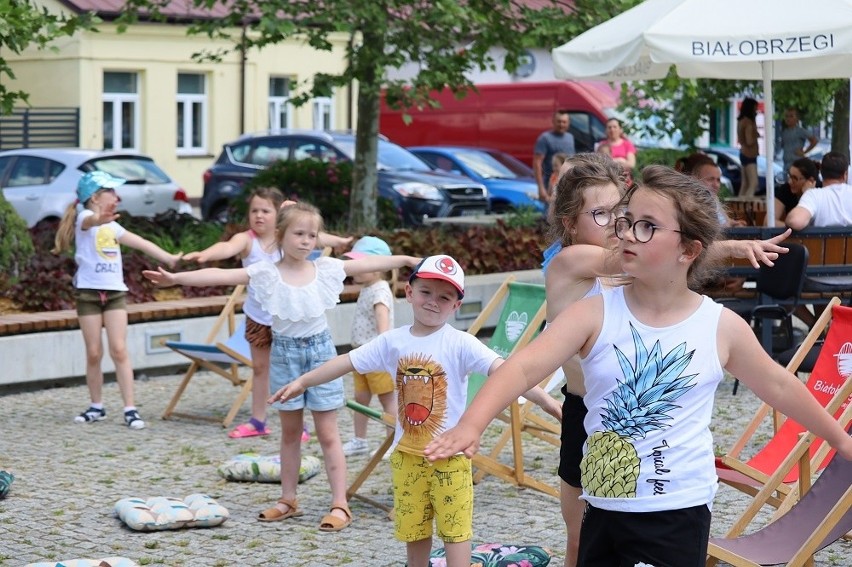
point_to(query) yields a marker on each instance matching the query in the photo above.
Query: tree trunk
(840, 121)
(363, 213)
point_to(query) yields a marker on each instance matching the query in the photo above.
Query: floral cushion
(161, 513)
(251, 467)
(107, 562)
(499, 555)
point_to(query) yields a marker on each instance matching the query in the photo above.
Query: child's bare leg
(388, 402)
(458, 553)
(115, 322)
(91, 325)
(418, 552)
(359, 420)
(332, 452)
(572, 513)
(291, 454)
(260, 382)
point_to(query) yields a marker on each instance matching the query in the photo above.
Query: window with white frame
(191, 114)
(280, 109)
(121, 111)
(323, 113)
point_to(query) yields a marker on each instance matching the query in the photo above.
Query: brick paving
(68, 476)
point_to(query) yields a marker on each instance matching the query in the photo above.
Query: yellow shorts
(442, 490)
(374, 382)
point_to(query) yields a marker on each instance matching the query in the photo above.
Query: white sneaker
(356, 446)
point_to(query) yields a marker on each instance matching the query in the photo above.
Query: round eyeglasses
(602, 217)
(643, 231)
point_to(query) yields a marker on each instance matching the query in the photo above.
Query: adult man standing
(832, 204)
(548, 143)
(793, 138)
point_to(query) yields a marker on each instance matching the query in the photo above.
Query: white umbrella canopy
(718, 39)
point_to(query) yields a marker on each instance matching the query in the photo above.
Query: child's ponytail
(65, 232)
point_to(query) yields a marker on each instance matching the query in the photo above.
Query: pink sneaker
(305, 435)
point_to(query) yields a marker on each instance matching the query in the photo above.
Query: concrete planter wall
(55, 356)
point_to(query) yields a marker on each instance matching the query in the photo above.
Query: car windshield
(493, 165)
(137, 170)
(391, 156)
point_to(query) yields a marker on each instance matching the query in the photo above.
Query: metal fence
(40, 128)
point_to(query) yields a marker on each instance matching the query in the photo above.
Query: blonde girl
(297, 292)
(256, 244)
(652, 353)
(100, 288)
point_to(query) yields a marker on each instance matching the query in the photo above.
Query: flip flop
(275, 515)
(331, 523)
(246, 430)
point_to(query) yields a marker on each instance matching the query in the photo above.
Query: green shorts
(95, 302)
(423, 490)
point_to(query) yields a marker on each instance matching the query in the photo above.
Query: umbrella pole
(769, 131)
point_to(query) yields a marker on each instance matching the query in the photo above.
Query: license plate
(472, 212)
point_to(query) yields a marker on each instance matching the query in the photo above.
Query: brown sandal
(331, 523)
(275, 515)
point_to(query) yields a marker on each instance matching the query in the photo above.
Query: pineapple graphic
(641, 403)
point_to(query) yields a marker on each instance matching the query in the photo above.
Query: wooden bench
(829, 258)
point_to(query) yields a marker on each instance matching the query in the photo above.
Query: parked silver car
(41, 183)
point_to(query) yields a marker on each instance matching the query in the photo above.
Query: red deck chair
(832, 369)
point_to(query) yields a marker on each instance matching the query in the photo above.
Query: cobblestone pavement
(70, 475)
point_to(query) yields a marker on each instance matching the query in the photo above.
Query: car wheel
(219, 213)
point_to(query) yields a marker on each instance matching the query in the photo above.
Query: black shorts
(573, 438)
(95, 301)
(669, 538)
(745, 160)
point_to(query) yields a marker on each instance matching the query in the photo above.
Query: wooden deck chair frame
(519, 416)
(740, 474)
(230, 372)
(823, 534)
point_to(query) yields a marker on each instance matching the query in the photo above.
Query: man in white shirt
(830, 205)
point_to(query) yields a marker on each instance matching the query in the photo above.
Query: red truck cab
(507, 117)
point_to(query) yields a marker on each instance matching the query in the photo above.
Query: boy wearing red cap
(430, 361)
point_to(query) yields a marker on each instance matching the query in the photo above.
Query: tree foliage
(446, 40)
(24, 24)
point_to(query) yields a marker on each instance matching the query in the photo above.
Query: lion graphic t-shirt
(98, 256)
(431, 378)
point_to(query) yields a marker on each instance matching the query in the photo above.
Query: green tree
(24, 24)
(446, 39)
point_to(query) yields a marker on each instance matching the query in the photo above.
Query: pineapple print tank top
(650, 397)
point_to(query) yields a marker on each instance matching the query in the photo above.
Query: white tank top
(252, 307)
(650, 396)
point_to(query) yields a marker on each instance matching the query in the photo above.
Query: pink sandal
(246, 430)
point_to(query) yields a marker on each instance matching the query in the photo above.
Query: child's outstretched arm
(536, 395)
(323, 373)
(742, 355)
(328, 239)
(525, 369)
(755, 251)
(379, 264)
(240, 242)
(197, 278)
(149, 248)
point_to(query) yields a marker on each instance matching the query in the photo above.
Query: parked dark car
(415, 189)
(40, 183)
(510, 182)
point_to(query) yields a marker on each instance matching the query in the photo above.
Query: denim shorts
(291, 357)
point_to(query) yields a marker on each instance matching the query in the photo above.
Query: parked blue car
(511, 185)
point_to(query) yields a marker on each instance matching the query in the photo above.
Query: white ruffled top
(298, 311)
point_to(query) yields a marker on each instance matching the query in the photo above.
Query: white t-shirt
(364, 322)
(298, 311)
(98, 255)
(431, 378)
(650, 393)
(829, 206)
(251, 306)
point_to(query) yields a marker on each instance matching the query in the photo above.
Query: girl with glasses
(582, 215)
(652, 353)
